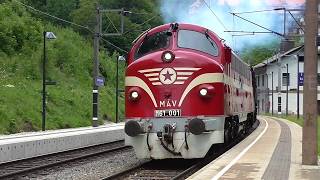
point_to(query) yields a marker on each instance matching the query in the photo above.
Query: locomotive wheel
(248, 124)
(245, 127)
(236, 128)
(227, 132)
(233, 129)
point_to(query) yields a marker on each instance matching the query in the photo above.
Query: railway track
(21, 167)
(175, 168)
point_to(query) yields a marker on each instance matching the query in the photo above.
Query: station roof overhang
(275, 58)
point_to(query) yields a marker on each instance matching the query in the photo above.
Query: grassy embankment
(69, 103)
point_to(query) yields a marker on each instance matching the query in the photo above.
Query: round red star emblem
(167, 76)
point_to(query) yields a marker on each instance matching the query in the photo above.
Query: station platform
(27, 145)
(272, 151)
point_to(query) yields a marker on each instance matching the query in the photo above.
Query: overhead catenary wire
(296, 21)
(274, 32)
(113, 45)
(143, 23)
(214, 14)
(69, 22)
(54, 17)
(251, 32)
(257, 11)
(112, 23)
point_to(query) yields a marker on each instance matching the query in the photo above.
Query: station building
(280, 83)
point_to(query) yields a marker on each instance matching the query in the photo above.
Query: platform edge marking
(226, 168)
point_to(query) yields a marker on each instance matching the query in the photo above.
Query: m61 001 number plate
(167, 113)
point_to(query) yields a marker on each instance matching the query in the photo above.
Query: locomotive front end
(174, 93)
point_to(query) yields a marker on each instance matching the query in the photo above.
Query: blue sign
(99, 81)
(300, 78)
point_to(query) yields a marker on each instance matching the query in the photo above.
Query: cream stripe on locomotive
(186, 69)
(151, 74)
(175, 75)
(150, 70)
(154, 79)
(201, 79)
(135, 81)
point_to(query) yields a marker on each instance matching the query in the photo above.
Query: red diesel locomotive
(185, 90)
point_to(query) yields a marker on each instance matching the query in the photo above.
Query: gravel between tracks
(93, 168)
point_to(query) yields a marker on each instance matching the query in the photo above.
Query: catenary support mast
(309, 136)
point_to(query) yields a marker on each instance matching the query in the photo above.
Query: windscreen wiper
(209, 39)
(144, 33)
(173, 27)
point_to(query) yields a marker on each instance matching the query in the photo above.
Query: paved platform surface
(272, 151)
(26, 145)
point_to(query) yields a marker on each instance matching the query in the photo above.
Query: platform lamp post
(120, 58)
(271, 74)
(272, 92)
(287, 90)
(46, 35)
(268, 91)
(299, 58)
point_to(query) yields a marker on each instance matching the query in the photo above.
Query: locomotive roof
(181, 26)
(190, 27)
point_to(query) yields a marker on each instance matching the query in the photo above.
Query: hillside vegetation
(69, 103)
(70, 59)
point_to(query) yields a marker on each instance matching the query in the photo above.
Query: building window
(258, 79)
(279, 104)
(318, 79)
(262, 105)
(286, 79)
(262, 80)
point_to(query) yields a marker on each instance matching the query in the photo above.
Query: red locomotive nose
(165, 89)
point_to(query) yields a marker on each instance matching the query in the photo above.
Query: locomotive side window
(197, 41)
(152, 43)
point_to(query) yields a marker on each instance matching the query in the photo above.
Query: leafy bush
(69, 62)
(19, 32)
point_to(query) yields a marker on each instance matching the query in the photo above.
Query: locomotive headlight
(167, 56)
(206, 91)
(203, 92)
(134, 95)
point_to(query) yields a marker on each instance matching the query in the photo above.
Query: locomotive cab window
(197, 41)
(154, 42)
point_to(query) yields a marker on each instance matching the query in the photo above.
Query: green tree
(145, 14)
(18, 30)
(257, 53)
(85, 15)
(59, 8)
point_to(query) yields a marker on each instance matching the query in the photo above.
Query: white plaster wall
(292, 100)
(292, 103)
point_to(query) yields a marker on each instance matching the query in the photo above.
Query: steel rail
(146, 170)
(216, 155)
(19, 167)
(126, 171)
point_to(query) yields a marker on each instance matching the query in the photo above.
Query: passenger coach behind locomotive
(185, 91)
